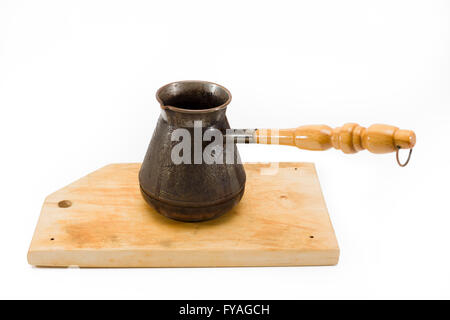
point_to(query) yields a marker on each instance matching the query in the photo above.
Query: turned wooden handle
(350, 138)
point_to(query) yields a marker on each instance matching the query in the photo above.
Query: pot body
(190, 191)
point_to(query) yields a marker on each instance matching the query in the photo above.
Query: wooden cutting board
(102, 221)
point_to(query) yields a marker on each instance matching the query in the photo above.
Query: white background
(77, 85)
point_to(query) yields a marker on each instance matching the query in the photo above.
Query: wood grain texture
(282, 220)
(350, 138)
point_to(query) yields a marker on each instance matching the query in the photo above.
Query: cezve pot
(192, 171)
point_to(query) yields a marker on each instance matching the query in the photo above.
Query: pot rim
(193, 111)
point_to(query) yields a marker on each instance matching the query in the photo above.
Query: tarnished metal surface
(190, 192)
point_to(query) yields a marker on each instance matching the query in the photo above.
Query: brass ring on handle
(398, 159)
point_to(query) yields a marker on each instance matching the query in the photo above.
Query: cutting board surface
(101, 220)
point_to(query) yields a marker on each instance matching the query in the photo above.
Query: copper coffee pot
(197, 190)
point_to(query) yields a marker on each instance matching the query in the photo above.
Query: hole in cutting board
(64, 203)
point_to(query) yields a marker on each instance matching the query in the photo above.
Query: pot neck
(186, 120)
